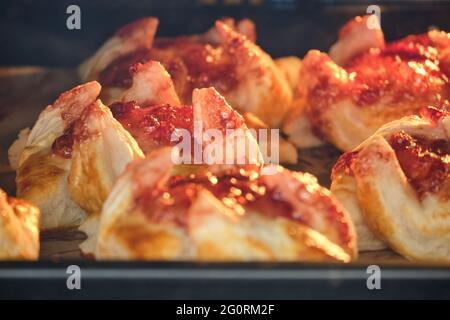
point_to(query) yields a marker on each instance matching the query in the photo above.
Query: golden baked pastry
(72, 157)
(19, 229)
(364, 83)
(396, 187)
(161, 211)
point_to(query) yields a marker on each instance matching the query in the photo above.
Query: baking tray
(175, 280)
(282, 30)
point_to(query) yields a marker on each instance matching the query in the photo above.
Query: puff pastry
(72, 157)
(159, 211)
(364, 83)
(225, 58)
(396, 187)
(19, 229)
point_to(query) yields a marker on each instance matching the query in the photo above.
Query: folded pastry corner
(396, 187)
(19, 229)
(357, 36)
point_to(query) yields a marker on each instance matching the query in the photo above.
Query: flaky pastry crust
(396, 187)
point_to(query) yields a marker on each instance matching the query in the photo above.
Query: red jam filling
(407, 70)
(153, 126)
(242, 191)
(191, 65)
(237, 191)
(405, 75)
(425, 162)
(62, 146)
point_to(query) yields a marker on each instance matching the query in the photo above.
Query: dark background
(35, 33)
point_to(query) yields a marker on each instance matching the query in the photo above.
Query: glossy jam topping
(404, 70)
(238, 192)
(153, 126)
(62, 146)
(245, 192)
(425, 162)
(191, 65)
(206, 65)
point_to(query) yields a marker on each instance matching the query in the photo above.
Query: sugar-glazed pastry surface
(19, 229)
(396, 187)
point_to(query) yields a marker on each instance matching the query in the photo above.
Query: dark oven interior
(35, 33)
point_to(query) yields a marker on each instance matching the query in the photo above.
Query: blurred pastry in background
(225, 58)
